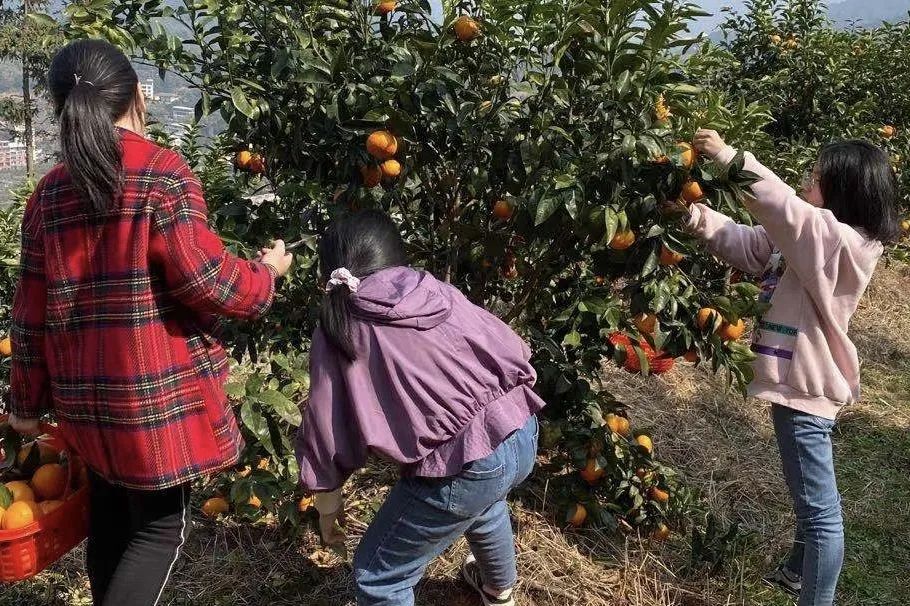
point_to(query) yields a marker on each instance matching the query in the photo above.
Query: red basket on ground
(658, 363)
(26, 551)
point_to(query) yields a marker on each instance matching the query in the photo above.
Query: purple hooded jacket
(438, 383)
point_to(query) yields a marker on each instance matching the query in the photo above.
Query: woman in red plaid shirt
(122, 282)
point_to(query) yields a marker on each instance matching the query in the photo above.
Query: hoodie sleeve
(745, 247)
(806, 236)
(329, 444)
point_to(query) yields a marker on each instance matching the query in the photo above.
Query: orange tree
(528, 151)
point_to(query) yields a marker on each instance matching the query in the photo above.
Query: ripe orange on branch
(669, 257)
(645, 442)
(645, 323)
(371, 175)
(706, 316)
(692, 192)
(731, 332)
(382, 144)
(390, 169)
(887, 131)
(503, 210)
(659, 495)
(592, 472)
(688, 155)
(466, 28)
(215, 506)
(622, 240)
(6, 347)
(577, 515)
(242, 159)
(385, 7)
(617, 424)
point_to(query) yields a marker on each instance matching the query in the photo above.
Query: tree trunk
(27, 98)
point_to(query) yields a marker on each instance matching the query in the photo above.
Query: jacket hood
(401, 296)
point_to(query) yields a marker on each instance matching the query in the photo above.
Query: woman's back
(131, 291)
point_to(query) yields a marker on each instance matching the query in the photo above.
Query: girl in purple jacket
(403, 366)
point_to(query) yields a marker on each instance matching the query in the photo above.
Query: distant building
(12, 155)
(148, 88)
(181, 113)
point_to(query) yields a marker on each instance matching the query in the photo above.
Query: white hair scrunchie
(340, 276)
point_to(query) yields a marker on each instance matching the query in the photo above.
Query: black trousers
(135, 537)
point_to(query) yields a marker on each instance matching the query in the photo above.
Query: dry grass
(722, 445)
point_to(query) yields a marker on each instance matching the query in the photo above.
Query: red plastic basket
(658, 363)
(28, 550)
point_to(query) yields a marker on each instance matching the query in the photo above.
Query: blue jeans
(424, 516)
(808, 462)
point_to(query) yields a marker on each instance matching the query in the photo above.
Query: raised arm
(198, 270)
(806, 236)
(745, 247)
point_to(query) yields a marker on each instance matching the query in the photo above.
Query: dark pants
(134, 540)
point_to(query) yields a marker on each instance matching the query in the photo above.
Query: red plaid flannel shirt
(113, 318)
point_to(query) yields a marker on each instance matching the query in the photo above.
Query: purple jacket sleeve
(329, 443)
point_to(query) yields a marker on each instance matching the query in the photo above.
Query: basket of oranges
(44, 502)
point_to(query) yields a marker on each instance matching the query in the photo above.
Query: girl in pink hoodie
(815, 256)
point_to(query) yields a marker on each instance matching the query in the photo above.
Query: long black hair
(859, 186)
(363, 243)
(93, 85)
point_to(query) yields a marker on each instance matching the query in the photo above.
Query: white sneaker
(471, 573)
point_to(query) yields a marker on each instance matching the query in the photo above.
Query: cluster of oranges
(727, 331)
(28, 500)
(250, 162)
(593, 473)
(218, 505)
(382, 146)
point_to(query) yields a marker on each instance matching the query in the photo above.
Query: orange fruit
(692, 192)
(600, 280)
(305, 503)
(257, 165)
(617, 424)
(263, 463)
(371, 175)
(705, 317)
(669, 257)
(905, 226)
(887, 131)
(622, 240)
(503, 210)
(21, 491)
(775, 39)
(215, 506)
(645, 323)
(691, 356)
(645, 442)
(382, 145)
(6, 347)
(577, 515)
(385, 7)
(242, 159)
(661, 533)
(592, 473)
(731, 332)
(47, 453)
(49, 481)
(390, 170)
(687, 156)
(254, 502)
(659, 495)
(48, 506)
(496, 80)
(509, 272)
(466, 29)
(20, 514)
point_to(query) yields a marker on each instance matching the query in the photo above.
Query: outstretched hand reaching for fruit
(277, 257)
(708, 143)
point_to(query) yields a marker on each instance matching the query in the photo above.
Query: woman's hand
(277, 257)
(25, 427)
(708, 143)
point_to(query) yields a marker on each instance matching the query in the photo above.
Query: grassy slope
(723, 446)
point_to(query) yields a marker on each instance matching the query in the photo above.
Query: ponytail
(363, 243)
(335, 320)
(93, 85)
(90, 147)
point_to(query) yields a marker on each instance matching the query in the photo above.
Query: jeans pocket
(479, 485)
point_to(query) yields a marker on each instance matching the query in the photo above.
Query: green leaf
(573, 339)
(257, 424)
(6, 497)
(545, 209)
(282, 406)
(241, 103)
(235, 390)
(402, 69)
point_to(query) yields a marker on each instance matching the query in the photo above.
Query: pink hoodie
(814, 271)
